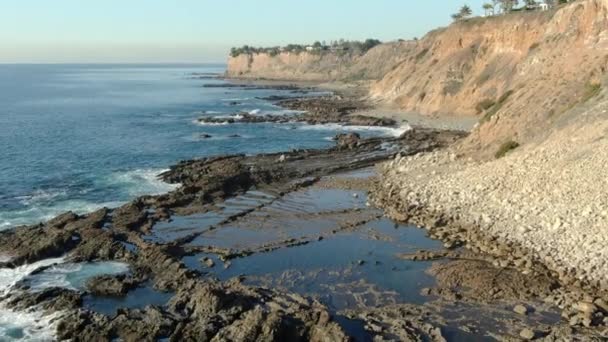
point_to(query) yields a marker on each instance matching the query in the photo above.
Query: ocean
(80, 137)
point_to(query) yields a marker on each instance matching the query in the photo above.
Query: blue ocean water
(79, 137)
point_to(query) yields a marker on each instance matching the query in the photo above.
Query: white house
(543, 6)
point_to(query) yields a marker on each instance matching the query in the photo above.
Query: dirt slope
(519, 73)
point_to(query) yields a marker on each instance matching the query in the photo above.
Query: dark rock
(208, 262)
(31, 244)
(130, 216)
(347, 140)
(112, 286)
(63, 219)
(51, 299)
(361, 120)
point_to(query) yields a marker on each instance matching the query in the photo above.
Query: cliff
(325, 66)
(520, 74)
(538, 78)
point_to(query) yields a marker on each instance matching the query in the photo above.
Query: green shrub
(421, 54)
(503, 98)
(341, 47)
(484, 105)
(506, 148)
(534, 46)
(497, 106)
(591, 91)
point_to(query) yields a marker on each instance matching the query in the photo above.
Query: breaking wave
(43, 205)
(385, 131)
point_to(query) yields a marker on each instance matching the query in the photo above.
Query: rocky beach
(146, 236)
(206, 261)
(447, 188)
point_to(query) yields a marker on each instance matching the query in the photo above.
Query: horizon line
(116, 63)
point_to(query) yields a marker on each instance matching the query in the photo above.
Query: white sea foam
(141, 182)
(44, 212)
(41, 196)
(236, 99)
(31, 325)
(9, 277)
(200, 123)
(74, 275)
(255, 111)
(386, 131)
(44, 205)
(228, 117)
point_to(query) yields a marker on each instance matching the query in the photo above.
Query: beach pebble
(586, 307)
(208, 262)
(527, 334)
(520, 309)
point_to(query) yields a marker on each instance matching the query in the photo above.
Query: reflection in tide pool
(73, 276)
(348, 269)
(135, 299)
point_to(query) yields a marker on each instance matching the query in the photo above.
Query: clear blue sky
(200, 30)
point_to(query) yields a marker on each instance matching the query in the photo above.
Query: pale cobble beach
(551, 200)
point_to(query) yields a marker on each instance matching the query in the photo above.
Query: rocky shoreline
(310, 110)
(409, 190)
(515, 292)
(200, 308)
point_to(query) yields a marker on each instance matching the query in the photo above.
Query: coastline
(428, 200)
(582, 293)
(359, 91)
(126, 234)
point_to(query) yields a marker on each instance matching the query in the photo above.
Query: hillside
(519, 73)
(541, 75)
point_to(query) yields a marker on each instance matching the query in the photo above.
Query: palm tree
(456, 16)
(488, 8)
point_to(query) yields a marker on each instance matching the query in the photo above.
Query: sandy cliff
(544, 202)
(323, 67)
(519, 74)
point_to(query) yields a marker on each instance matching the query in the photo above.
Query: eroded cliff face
(520, 73)
(307, 66)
